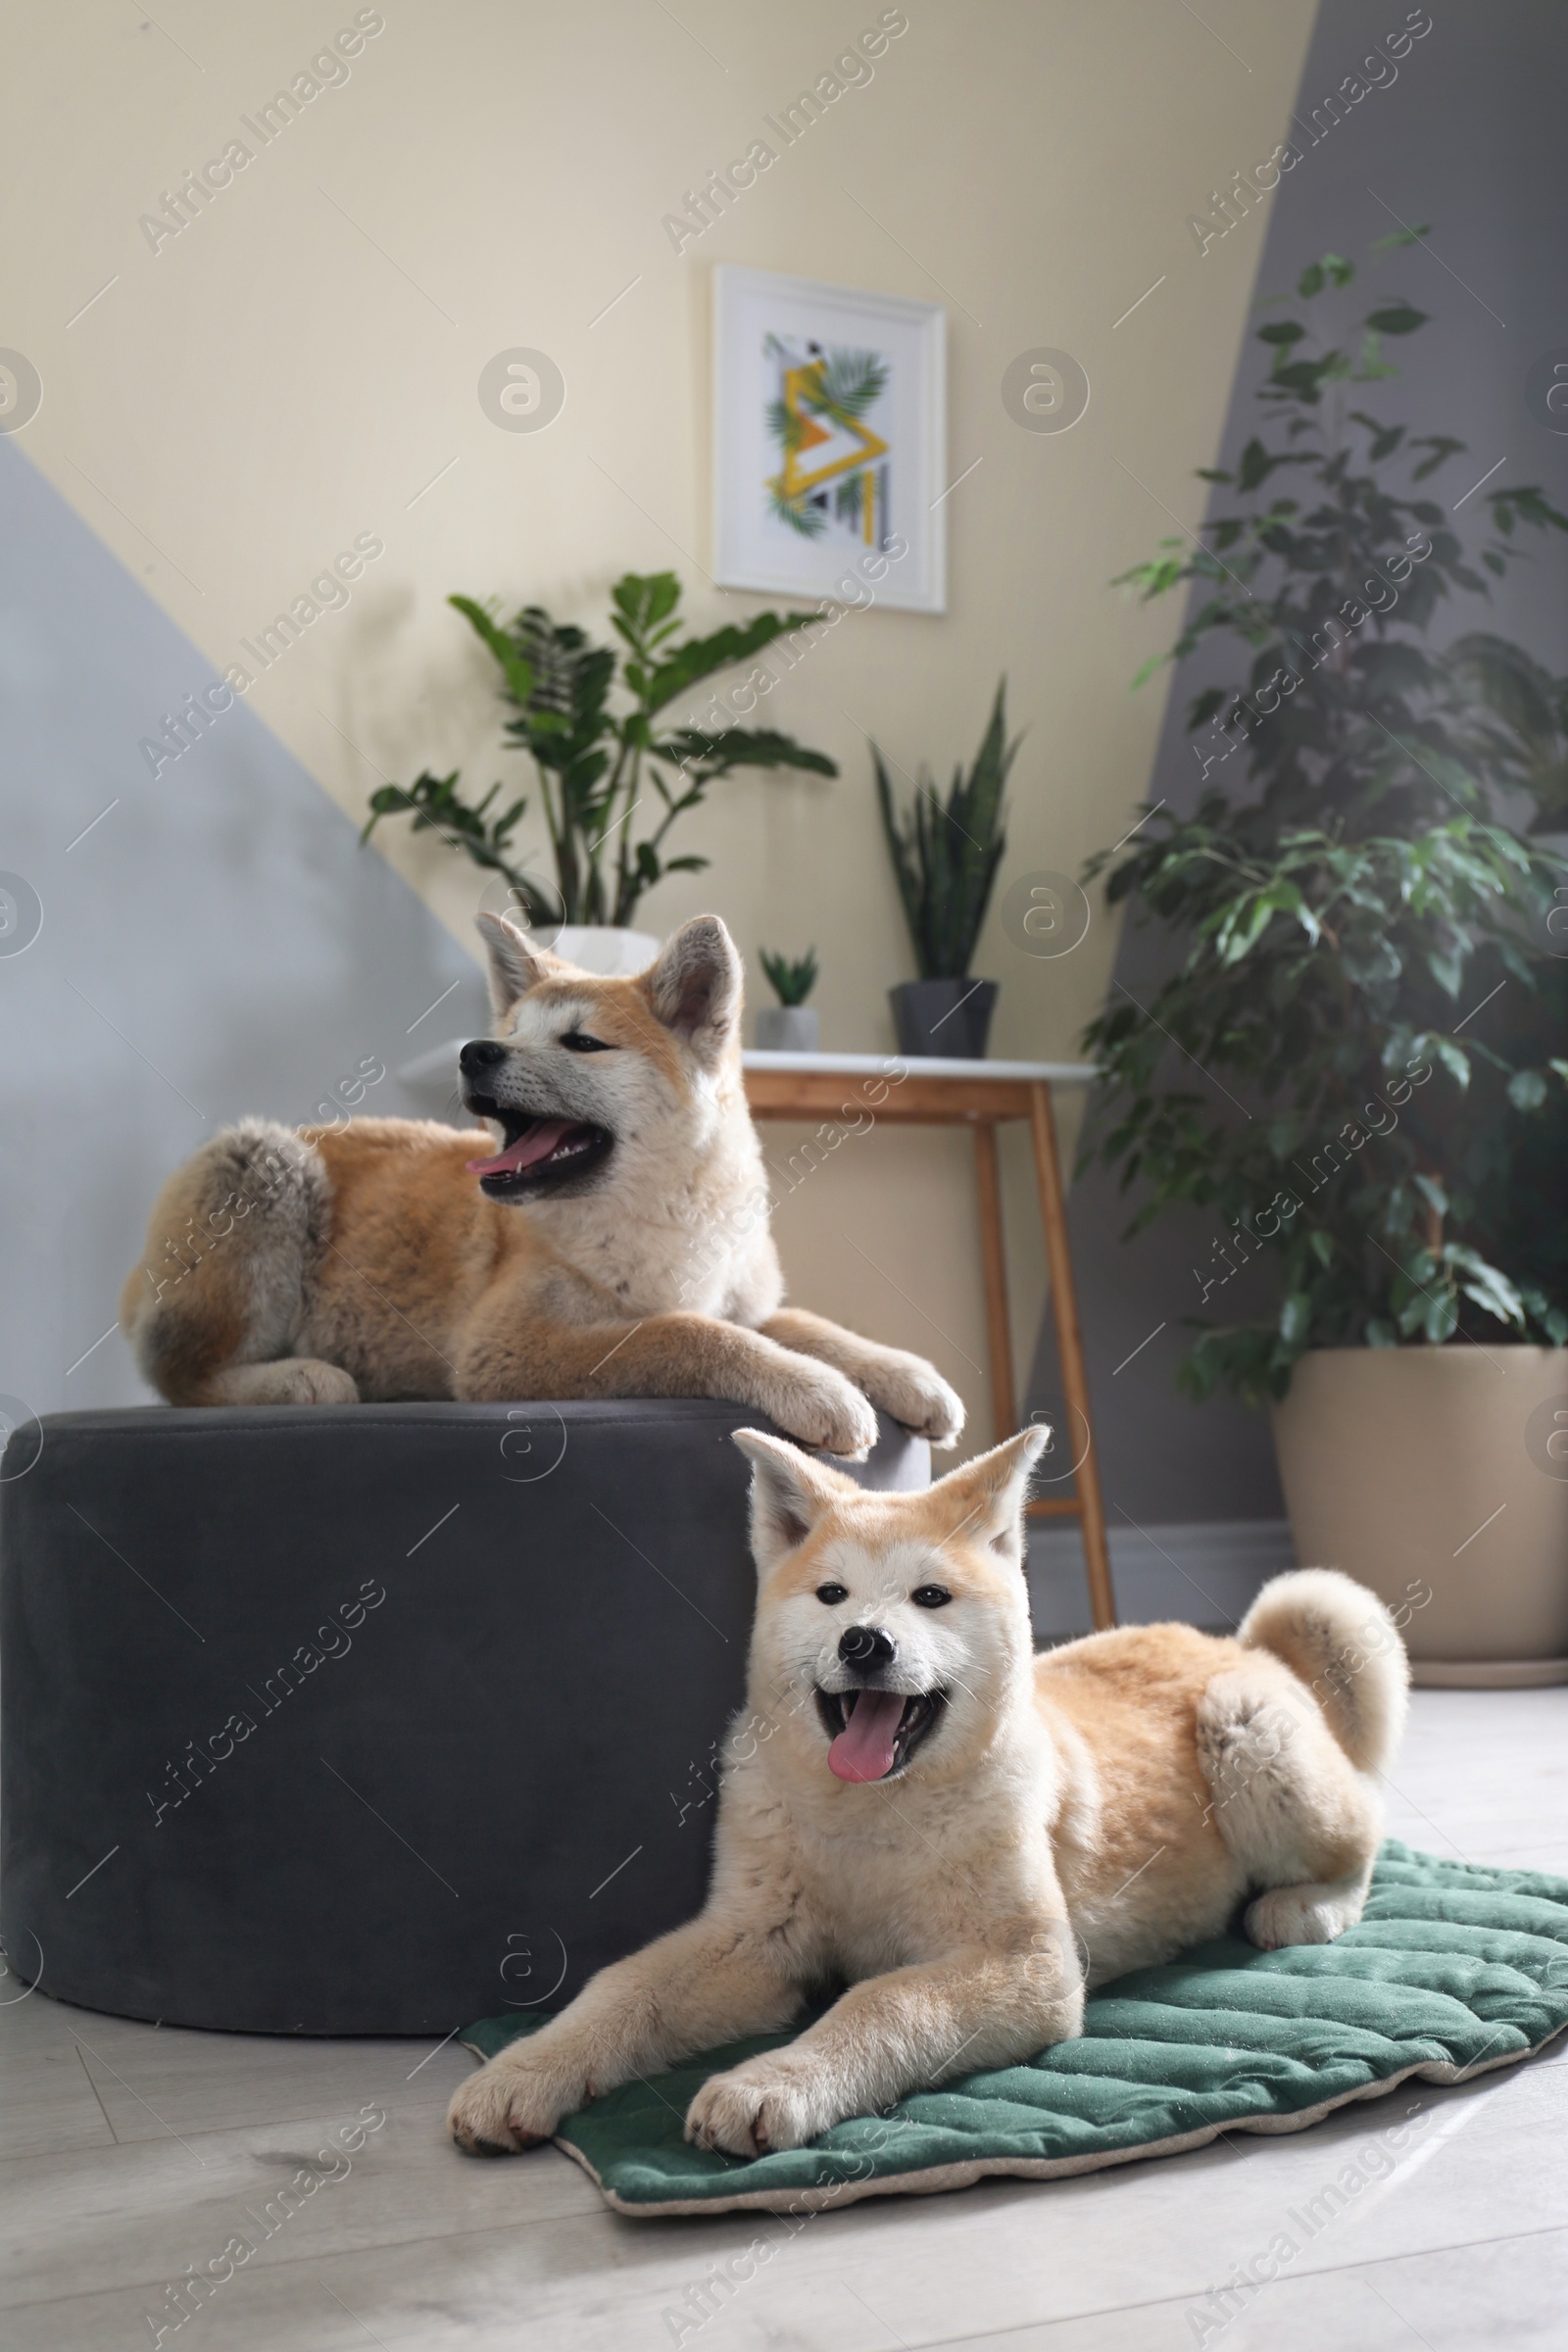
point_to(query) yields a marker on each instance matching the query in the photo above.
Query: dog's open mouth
(874, 1733)
(539, 1152)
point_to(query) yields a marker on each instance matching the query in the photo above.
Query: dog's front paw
(504, 2108)
(914, 1392)
(821, 1407)
(758, 2109)
(1299, 1915)
(300, 1380)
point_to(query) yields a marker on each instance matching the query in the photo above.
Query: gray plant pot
(950, 1017)
(788, 1029)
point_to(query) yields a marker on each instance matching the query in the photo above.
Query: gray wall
(217, 943)
(1470, 140)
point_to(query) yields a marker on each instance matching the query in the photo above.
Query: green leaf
(1304, 377)
(436, 805)
(1532, 507)
(644, 598)
(1441, 1318)
(1527, 1089)
(1397, 319)
(730, 748)
(1453, 1059)
(1443, 446)
(1295, 1319)
(699, 657)
(1256, 462)
(1386, 438)
(1431, 1189)
(1370, 367)
(1402, 236)
(1485, 1286)
(517, 672)
(1246, 922)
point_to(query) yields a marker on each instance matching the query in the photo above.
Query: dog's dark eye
(931, 1597)
(832, 1595)
(577, 1040)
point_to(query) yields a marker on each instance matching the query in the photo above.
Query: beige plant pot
(1443, 1472)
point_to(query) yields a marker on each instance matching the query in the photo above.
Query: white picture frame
(864, 376)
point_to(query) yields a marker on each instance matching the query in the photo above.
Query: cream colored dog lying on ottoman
(610, 1239)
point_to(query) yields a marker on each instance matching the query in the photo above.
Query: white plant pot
(605, 949)
(1443, 1471)
(788, 1029)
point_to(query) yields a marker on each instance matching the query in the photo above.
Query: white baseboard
(1205, 1572)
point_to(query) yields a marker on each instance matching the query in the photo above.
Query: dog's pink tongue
(537, 1144)
(863, 1749)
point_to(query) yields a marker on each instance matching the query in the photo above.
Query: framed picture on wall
(829, 439)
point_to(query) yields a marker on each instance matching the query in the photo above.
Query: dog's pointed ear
(695, 987)
(985, 1499)
(515, 963)
(790, 1493)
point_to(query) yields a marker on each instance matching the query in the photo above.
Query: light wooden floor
(129, 2153)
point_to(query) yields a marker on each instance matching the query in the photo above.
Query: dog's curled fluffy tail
(1340, 1640)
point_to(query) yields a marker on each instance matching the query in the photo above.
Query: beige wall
(294, 367)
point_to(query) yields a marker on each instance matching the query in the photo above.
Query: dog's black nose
(480, 1053)
(866, 1645)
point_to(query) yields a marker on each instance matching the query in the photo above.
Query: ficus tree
(1355, 1064)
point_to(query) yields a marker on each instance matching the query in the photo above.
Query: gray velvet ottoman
(370, 1719)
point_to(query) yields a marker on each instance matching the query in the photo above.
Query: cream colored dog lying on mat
(968, 1835)
(612, 1241)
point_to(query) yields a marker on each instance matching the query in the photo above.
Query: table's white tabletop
(923, 1066)
(434, 1072)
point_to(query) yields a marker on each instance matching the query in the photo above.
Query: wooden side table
(848, 1088)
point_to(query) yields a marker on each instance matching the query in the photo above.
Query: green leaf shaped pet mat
(1452, 1970)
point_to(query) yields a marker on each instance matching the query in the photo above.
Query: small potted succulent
(791, 1025)
(945, 859)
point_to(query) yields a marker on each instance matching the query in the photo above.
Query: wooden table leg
(1004, 1409)
(1069, 1343)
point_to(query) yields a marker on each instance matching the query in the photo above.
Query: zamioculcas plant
(1352, 1066)
(945, 853)
(598, 761)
